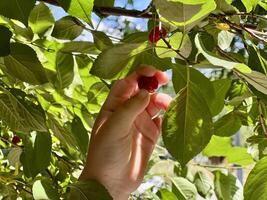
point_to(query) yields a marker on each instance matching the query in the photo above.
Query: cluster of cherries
(151, 83)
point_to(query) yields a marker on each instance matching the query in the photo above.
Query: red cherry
(15, 139)
(156, 34)
(148, 83)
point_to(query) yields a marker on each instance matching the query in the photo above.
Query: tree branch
(115, 11)
(242, 27)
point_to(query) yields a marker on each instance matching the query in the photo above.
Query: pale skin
(125, 134)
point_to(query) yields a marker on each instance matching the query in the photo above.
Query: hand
(125, 133)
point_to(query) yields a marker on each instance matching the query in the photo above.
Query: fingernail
(143, 94)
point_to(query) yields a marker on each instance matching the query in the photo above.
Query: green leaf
(8, 191)
(41, 18)
(221, 146)
(263, 5)
(96, 95)
(183, 189)
(149, 57)
(5, 36)
(256, 60)
(227, 186)
(24, 65)
(227, 125)
(203, 183)
(112, 60)
(213, 58)
(102, 41)
(64, 73)
(80, 47)
(22, 33)
(165, 194)
(178, 41)
(225, 6)
(239, 156)
(256, 79)
(180, 80)
(14, 156)
(256, 187)
(43, 189)
(89, 190)
(61, 132)
(81, 135)
(20, 115)
(221, 87)
(36, 153)
(187, 122)
(258, 139)
(78, 8)
(184, 13)
(17, 9)
(250, 4)
(225, 39)
(218, 146)
(67, 28)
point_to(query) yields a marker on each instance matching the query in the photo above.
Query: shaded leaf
(221, 88)
(180, 80)
(187, 122)
(227, 186)
(67, 29)
(36, 153)
(5, 35)
(78, 8)
(165, 194)
(101, 40)
(81, 135)
(227, 125)
(183, 13)
(43, 189)
(256, 79)
(15, 9)
(40, 18)
(18, 116)
(112, 60)
(80, 47)
(64, 73)
(24, 65)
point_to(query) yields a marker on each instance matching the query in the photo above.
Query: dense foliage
(53, 85)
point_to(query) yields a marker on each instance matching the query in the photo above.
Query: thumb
(124, 116)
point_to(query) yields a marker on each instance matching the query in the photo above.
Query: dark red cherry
(148, 83)
(15, 139)
(156, 34)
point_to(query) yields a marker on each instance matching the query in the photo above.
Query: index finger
(123, 89)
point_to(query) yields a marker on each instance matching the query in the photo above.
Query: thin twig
(247, 14)
(218, 167)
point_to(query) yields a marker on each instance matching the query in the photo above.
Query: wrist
(116, 192)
